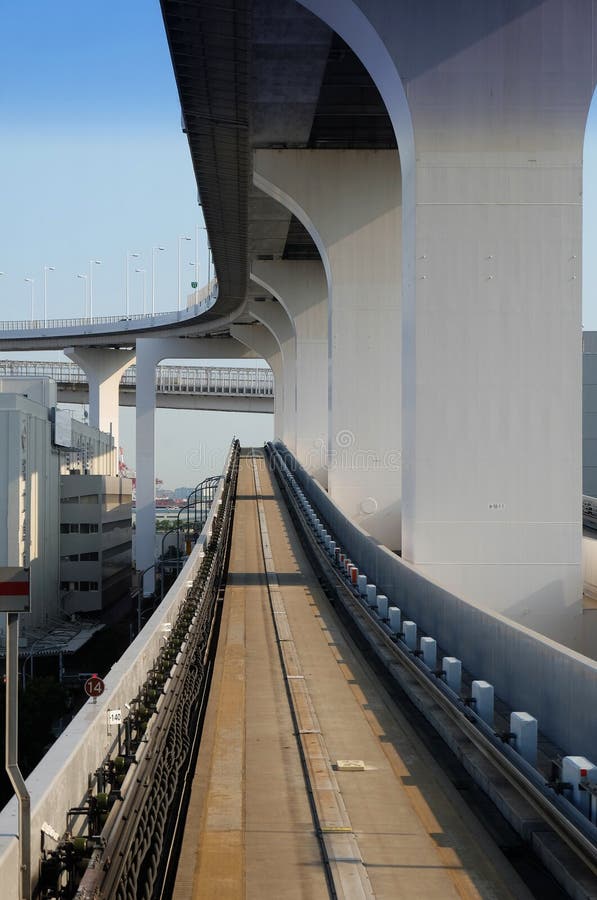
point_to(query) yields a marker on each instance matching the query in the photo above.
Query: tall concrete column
(148, 356)
(150, 351)
(275, 318)
(498, 96)
(349, 201)
(260, 339)
(104, 369)
(301, 288)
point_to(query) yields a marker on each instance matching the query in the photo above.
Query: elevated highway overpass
(392, 193)
(176, 387)
(392, 289)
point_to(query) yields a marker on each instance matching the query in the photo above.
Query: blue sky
(93, 163)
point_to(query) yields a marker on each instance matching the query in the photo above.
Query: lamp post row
(87, 278)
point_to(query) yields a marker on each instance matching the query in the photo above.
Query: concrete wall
(589, 414)
(529, 672)
(61, 779)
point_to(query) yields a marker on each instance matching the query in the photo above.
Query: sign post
(14, 598)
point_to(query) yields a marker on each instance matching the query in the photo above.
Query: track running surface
(270, 815)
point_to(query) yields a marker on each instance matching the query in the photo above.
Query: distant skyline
(93, 163)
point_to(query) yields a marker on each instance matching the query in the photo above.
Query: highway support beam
(104, 369)
(349, 201)
(301, 288)
(490, 137)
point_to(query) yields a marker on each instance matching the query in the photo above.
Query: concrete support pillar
(104, 369)
(491, 146)
(349, 201)
(301, 288)
(260, 339)
(148, 356)
(150, 351)
(275, 318)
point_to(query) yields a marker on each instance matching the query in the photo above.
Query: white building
(40, 446)
(95, 541)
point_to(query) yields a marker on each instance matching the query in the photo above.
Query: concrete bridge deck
(397, 829)
(226, 388)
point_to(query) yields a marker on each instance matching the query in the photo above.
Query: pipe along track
(405, 668)
(135, 809)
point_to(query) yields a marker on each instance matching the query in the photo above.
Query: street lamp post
(46, 270)
(181, 237)
(197, 255)
(130, 254)
(143, 273)
(84, 279)
(31, 281)
(92, 263)
(154, 250)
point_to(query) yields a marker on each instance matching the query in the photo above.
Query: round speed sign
(94, 686)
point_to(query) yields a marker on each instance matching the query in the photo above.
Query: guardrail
(158, 318)
(246, 381)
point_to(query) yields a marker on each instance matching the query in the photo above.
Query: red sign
(94, 686)
(14, 589)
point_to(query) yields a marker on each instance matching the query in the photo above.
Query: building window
(89, 498)
(71, 557)
(64, 528)
(89, 528)
(112, 501)
(69, 585)
(88, 585)
(89, 557)
(69, 500)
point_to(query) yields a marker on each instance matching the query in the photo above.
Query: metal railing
(157, 318)
(255, 382)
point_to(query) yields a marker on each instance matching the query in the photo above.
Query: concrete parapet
(528, 671)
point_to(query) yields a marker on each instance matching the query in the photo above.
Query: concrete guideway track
(265, 799)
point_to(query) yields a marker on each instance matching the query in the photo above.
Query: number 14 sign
(94, 687)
